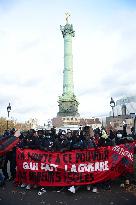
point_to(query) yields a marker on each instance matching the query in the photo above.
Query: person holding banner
(9, 153)
(77, 141)
(89, 141)
(104, 139)
(31, 140)
(62, 143)
(46, 141)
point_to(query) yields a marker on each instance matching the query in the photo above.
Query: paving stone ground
(12, 195)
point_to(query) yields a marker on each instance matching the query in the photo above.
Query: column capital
(67, 29)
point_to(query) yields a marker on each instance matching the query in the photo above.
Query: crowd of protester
(50, 140)
(83, 138)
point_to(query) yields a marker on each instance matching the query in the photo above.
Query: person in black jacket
(10, 156)
(77, 141)
(33, 140)
(46, 141)
(89, 142)
(62, 143)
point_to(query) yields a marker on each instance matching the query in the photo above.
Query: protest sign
(76, 167)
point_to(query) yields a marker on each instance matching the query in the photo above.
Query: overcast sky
(31, 55)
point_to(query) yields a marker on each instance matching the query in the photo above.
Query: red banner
(74, 167)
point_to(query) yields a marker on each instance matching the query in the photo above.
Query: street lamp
(8, 110)
(49, 123)
(112, 104)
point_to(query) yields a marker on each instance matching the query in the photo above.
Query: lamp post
(112, 104)
(49, 124)
(8, 110)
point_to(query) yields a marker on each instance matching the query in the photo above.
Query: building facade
(76, 121)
